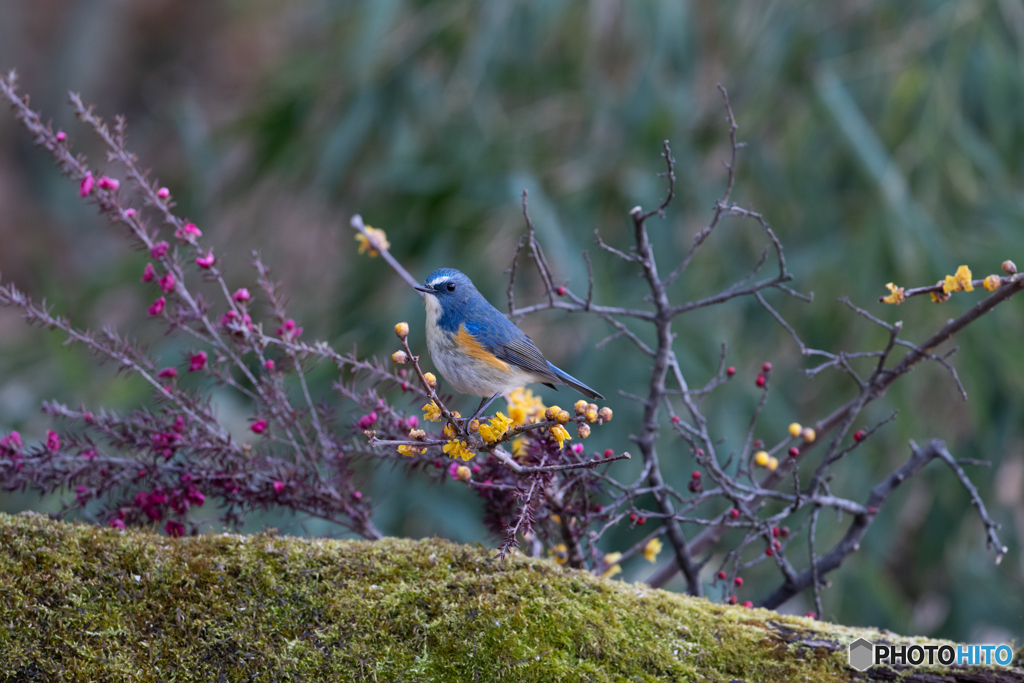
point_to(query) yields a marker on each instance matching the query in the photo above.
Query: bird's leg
(484, 402)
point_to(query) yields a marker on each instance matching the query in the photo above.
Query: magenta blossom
(167, 282)
(108, 183)
(163, 193)
(61, 136)
(167, 373)
(159, 249)
(241, 295)
(366, 420)
(259, 426)
(197, 362)
(52, 441)
(85, 187)
(205, 261)
(188, 232)
(117, 524)
(174, 528)
(148, 274)
(278, 486)
(269, 365)
(157, 307)
(11, 442)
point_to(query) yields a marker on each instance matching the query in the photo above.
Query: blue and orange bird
(477, 349)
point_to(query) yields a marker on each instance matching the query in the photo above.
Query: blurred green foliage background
(884, 144)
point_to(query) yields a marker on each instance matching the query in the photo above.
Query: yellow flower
(457, 449)
(992, 283)
(519, 447)
(431, 380)
(496, 428)
(561, 553)
(895, 296)
(761, 458)
(524, 407)
(612, 561)
(411, 450)
(449, 430)
(432, 412)
(652, 549)
(377, 241)
(559, 434)
(795, 429)
(958, 282)
(772, 464)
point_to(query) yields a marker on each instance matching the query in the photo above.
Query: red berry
(760, 380)
(632, 516)
(560, 291)
(675, 419)
(734, 513)
(721, 575)
(767, 367)
(794, 452)
(748, 604)
(732, 600)
(695, 475)
(859, 435)
(730, 371)
(768, 552)
(641, 520)
(738, 580)
(775, 531)
(778, 545)
(784, 532)
(608, 452)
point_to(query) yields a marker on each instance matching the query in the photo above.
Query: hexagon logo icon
(862, 654)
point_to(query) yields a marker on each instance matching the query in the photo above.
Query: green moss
(80, 603)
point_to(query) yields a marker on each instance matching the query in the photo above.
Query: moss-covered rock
(80, 603)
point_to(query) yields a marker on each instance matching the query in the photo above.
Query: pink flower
(157, 306)
(179, 425)
(195, 496)
(288, 330)
(241, 295)
(163, 193)
(167, 282)
(167, 373)
(205, 261)
(130, 213)
(453, 471)
(61, 136)
(366, 420)
(197, 362)
(188, 232)
(108, 183)
(278, 486)
(577, 448)
(159, 249)
(117, 524)
(259, 426)
(52, 441)
(148, 274)
(269, 365)
(89, 454)
(357, 495)
(11, 442)
(85, 187)
(174, 528)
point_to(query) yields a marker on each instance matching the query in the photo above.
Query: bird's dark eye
(451, 286)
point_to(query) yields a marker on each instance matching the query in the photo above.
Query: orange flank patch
(468, 344)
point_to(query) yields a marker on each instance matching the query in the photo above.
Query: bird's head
(450, 288)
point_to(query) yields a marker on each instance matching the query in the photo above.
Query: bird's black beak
(425, 290)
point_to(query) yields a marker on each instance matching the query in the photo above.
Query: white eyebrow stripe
(436, 281)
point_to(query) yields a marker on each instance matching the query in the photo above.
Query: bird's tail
(571, 381)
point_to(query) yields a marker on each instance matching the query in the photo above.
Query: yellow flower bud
(992, 283)
(449, 431)
(592, 406)
(591, 415)
(402, 330)
(417, 434)
(399, 357)
(1009, 267)
(474, 426)
(580, 407)
(795, 429)
(809, 435)
(761, 458)
(772, 464)
(431, 380)
(605, 414)
(562, 416)
(463, 473)
(583, 431)
(551, 413)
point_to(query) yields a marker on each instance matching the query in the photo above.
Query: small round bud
(769, 552)
(695, 475)
(761, 458)
(1009, 267)
(738, 580)
(463, 473)
(772, 464)
(591, 415)
(721, 575)
(795, 429)
(163, 193)
(431, 380)
(399, 357)
(641, 520)
(560, 291)
(766, 367)
(748, 604)
(402, 330)
(794, 452)
(583, 431)
(760, 381)
(562, 416)
(580, 407)
(775, 532)
(474, 426)
(809, 435)
(417, 434)
(605, 414)
(730, 371)
(552, 413)
(859, 435)
(734, 513)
